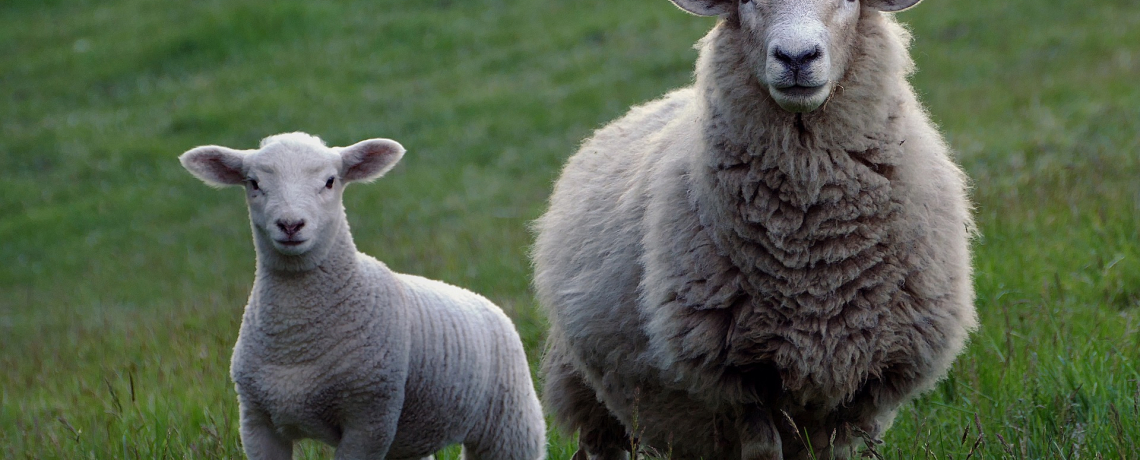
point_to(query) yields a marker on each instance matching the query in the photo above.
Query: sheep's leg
(575, 406)
(759, 438)
(259, 439)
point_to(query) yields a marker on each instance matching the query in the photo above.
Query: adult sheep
(775, 257)
(335, 346)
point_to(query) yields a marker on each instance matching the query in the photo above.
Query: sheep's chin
(799, 99)
(292, 249)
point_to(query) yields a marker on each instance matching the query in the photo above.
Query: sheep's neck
(743, 123)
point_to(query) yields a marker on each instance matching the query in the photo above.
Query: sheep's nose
(796, 61)
(290, 227)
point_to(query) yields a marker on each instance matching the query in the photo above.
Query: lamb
(774, 258)
(337, 347)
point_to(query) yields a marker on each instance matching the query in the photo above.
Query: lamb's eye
(745, 2)
(253, 184)
(329, 183)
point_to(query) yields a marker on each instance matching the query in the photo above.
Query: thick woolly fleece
(377, 363)
(714, 266)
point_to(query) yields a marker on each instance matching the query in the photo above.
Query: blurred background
(122, 278)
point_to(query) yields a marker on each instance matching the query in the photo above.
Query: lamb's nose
(796, 61)
(290, 227)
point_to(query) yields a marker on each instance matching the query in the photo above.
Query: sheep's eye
(745, 2)
(329, 183)
(253, 184)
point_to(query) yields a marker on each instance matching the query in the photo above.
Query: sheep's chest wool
(807, 260)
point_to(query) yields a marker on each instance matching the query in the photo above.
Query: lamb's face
(294, 186)
(294, 194)
(798, 49)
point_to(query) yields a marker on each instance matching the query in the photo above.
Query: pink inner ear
(223, 171)
(370, 159)
(214, 165)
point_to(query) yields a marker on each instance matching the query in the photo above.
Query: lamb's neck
(310, 288)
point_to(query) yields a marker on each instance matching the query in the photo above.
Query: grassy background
(122, 278)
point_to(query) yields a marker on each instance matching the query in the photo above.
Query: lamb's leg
(575, 406)
(370, 430)
(259, 439)
(358, 443)
(759, 438)
(514, 429)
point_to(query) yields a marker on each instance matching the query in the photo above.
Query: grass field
(122, 278)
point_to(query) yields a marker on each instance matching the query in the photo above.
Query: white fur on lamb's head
(294, 185)
(798, 49)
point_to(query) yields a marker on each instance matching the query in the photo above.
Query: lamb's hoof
(580, 455)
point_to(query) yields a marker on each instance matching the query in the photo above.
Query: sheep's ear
(890, 5)
(215, 165)
(367, 160)
(706, 7)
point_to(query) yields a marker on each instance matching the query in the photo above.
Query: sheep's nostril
(782, 57)
(290, 228)
(811, 55)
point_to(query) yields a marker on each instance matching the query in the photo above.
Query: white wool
(337, 347)
(723, 275)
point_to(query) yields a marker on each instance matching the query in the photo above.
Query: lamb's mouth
(291, 242)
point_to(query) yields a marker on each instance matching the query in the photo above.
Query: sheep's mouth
(290, 242)
(800, 91)
(799, 98)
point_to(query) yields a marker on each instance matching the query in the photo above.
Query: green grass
(122, 278)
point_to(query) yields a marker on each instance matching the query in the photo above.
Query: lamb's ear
(367, 160)
(215, 165)
(706, 7)
(890, 5)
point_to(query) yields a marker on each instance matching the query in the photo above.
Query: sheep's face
(798, 49)
(294, 185)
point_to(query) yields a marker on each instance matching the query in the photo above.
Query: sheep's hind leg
(575, 406)
(759, 438)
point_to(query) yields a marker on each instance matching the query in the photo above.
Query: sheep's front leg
(759, 439)
(260, 439)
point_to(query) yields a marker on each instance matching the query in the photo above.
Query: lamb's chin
(292, 248)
